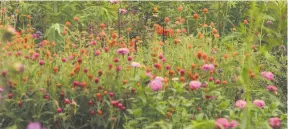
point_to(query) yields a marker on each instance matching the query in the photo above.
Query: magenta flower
(240, 104)
(259, 103)
(123, 51)
(34, 36)
(223, 123)
(93, 42)
(272, 88)
(195, 85)
(275, 123)
(34, 125)
(268, 75)
(35, 56)
(135, 65)
(97, 52)
(130, 58)
(208, 67)
(118, 68)
(156, 84)
(41, 62)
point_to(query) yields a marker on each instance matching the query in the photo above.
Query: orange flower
(99, 112)
(68, 24)
(171, 72)
(199, 54)
(29, 17)
(182, 79)
(124, 82)
(214, 31)
(102, 26)
(72, 74)
(205, 10)
(195, 16)
(155, 9)
(84, 84)
(166, 19)
(77, 19)
(55, 69)
(129, 29)
(246, 22)
(180, 8)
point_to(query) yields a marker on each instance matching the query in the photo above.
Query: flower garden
(143, 65)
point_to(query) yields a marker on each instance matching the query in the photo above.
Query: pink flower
(275, 122)
(123, 11)
(240, 104)
(271, 88)
(35, 56)
(1, 90)
(233, 124)
(118, 68)
(123, 51)
(148, 74)
(208, 67)
(41, 62)
(259, 103)
(195, 85)
(159, 78)
(135, 65)
(97, 52)
(34, 125)
(113, 1)
(93, 43)
(223, 123)
(267, 75)
(156, 84)
(130, 58)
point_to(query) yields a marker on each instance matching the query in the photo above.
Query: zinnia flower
(267, 75)
(156, 84)
(195, 85)
(223, 123)
(275, 122)
(135, 65)
(272, 88)
(259, 103)
(207, 67)
(240, 104)
(123, 51)
(34, 125)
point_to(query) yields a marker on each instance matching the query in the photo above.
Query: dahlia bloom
(271, 88)
(240, 104)
(135, 65)
(156, 84)
(208, 67)
(268, 75)
(223, 123)
(195, 85)
(123, 51)
(259, 103)
(275, 122)
(34, 125)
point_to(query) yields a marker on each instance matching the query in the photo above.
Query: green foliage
(82, 66)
